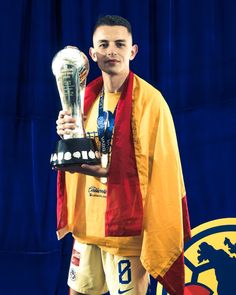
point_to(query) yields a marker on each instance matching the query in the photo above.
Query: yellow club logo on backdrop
(210, 259)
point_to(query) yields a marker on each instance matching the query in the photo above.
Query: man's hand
(92, 170)
(65, 123)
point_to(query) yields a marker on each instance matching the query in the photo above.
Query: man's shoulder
(146, 91)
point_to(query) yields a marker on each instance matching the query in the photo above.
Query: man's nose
(111, 50)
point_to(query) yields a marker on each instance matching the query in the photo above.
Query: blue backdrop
(187, 49)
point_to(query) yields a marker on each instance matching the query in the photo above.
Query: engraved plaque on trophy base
(75, 151)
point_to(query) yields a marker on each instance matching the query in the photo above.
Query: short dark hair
(113, 20)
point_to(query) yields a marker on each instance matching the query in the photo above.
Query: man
(121, 213)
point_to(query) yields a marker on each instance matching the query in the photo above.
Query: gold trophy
(70, 67)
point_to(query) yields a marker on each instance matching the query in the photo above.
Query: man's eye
(103, 45)
(120, 44)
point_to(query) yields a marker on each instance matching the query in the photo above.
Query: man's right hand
(65, 123)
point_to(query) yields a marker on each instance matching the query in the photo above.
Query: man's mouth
(112, 61)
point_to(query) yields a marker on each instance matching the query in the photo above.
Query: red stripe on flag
(61, 201)
(173, 280)
(186, 220)
(124, 212)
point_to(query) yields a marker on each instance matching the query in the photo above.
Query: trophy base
(75, 151)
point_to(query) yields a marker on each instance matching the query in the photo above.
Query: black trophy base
(75, 151)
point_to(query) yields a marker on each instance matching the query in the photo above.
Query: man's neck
(114, 83)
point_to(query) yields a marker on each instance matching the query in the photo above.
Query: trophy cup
(70, 67)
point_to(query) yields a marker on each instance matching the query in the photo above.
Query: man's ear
(134, 51)
(93, 54)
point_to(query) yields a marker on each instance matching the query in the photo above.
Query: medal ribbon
(105, 125)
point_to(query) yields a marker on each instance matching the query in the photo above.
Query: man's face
(113, 49)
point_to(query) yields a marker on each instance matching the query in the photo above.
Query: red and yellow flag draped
(145, 190)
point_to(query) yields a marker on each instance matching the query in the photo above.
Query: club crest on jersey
(210, 259)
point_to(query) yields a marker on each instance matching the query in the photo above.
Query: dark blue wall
(187, 49)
